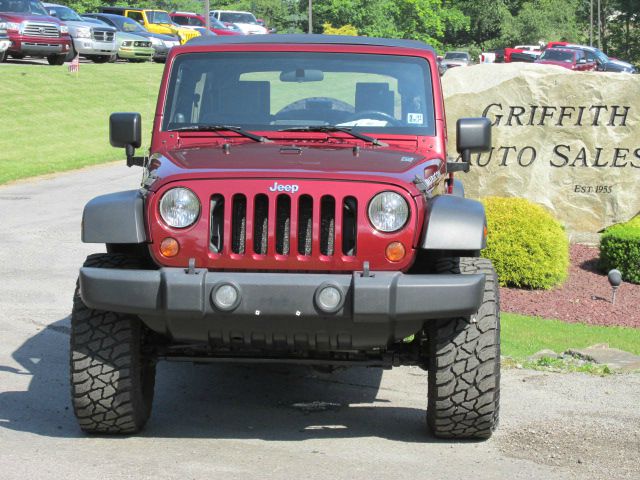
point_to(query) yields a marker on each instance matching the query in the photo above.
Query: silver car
(455, 59)
(97, 43)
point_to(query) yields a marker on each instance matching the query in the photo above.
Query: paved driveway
(238, 422)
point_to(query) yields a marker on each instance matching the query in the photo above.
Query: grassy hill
(53, 120)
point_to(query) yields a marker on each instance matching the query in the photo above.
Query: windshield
(455, 56)
(215, 23)
(277, 90)
(158, 16)
(128, 25)
(234, 17)
(557, 55)
(22, 6)
(601, 56)
(65, 14)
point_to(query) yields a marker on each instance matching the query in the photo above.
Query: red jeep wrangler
(296, 206)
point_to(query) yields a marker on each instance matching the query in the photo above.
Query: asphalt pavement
(225, 421)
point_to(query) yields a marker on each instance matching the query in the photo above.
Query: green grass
(54, 121)
(522, 336)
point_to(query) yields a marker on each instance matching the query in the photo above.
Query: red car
(567, 58)
(292, 211)
(188, 19)
(33, 32)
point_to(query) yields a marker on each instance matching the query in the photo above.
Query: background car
(156, 21)
(97, 43)
(455, 59)
(33, 32)
(492, 56)
(190, 20)
(245, 21)
(603, 62)
(567, 58)
(131, 47)
(161, 43)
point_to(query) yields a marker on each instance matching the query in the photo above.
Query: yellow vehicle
(156, 21)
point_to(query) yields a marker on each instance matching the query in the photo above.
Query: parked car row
(571, 56)
(58, 33)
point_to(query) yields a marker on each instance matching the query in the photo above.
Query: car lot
(240, 421)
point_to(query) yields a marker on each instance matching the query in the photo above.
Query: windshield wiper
(217, 128)
(336, 128)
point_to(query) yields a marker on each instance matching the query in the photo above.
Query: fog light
(225, 297)
(329, 298)
(395, 252)
(169, 247)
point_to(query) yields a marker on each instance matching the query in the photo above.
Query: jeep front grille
(44, 30)
(255, 221)
(103, 35)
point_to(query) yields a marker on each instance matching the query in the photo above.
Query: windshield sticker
(414, 118)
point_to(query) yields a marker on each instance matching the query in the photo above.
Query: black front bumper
(280, 308)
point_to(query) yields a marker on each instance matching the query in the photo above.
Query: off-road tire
(112, 377)
(464, 361)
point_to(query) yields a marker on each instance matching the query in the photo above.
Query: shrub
(620, 249)
(347, 29)
(527, 245)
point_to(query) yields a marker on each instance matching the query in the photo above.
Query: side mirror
(473, 135)
(125, 131)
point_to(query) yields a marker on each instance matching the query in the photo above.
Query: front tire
(112, 376)
(99, 58)
(56, 59)
(464, 362)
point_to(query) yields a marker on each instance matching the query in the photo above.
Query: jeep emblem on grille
(284, 188)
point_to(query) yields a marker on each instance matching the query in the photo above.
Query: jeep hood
(274, 160)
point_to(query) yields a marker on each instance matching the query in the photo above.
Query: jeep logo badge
(283, 188)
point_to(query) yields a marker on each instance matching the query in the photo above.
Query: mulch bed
(585, 297)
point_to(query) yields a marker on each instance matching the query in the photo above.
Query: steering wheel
(373, 113)
(337, 105)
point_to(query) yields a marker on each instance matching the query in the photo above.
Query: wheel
(112, 377)
(100, 58)
(464, 361)
(56, 59)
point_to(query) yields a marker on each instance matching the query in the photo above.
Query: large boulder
(567, 140)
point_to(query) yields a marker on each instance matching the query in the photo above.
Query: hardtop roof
(309, 39)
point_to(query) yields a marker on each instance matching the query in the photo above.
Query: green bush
(528, 247)
(620, 249)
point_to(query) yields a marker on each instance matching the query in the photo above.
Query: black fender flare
(454, 223)
(114, 218)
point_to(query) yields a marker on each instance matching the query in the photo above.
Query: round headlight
(388, 211)
(179, 207)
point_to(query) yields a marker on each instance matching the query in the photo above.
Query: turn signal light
(395, 251)
(169, 247)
